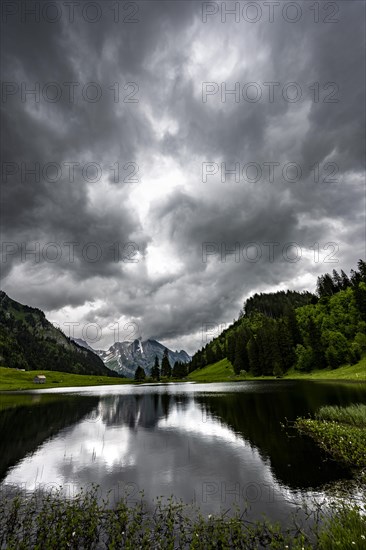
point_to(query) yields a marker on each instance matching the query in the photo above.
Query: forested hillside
(279, 331)
(28, 341)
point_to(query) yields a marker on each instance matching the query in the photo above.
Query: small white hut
(39, 379)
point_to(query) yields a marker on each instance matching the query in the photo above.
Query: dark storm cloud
(65, 132)
(166, 56)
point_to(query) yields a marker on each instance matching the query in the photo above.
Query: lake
(215, 445)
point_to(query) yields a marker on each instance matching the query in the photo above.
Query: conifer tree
(286, 346)
(166, 369)
(210, 355)
(179, 370)
(241, 355)
(316, 344)
(345, 280)
(140, 374)
(175, 371)
(253, 355)
(155, 371)
(231, 346)
(337, 280)
(293, 326)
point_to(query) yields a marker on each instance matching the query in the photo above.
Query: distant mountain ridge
(29, 341)
(83, 344)
(125, 357)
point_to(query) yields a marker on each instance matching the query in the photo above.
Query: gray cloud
(170, 212)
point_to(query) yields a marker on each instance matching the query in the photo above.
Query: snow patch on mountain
(125, 357)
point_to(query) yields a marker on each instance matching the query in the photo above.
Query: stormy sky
(162, 161)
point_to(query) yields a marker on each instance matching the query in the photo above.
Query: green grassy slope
(347, 372)
(222, 371)
(12, 379)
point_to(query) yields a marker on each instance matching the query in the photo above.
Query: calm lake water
(215, 445)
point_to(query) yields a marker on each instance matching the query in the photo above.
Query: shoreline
(12, 380)
(16, 380)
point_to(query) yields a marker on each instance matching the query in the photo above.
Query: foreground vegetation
(51, 521)
(341, 432)
(354, 415)
(13, 379)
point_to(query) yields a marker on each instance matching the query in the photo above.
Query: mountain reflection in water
(214, 444)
